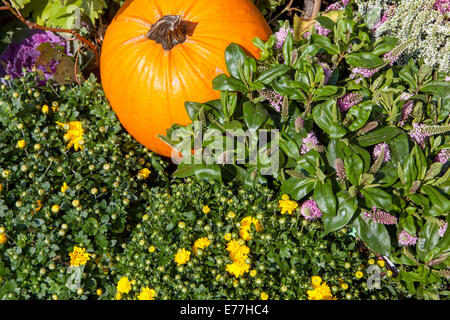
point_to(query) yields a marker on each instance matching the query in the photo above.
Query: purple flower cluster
(275, 99)
(442, 230)
(406, 111)
(307, 35)
(442, 5)
(377, 151)
(321, 30)
(310, 210)
(380, 216)
(443, 156)
(281, 36)
(365, 73)
(338, 5)
(419, 134)
(25, 54)
(405, 239)
(391, 57)
(326, 70)
(309, 142)
(348, 101)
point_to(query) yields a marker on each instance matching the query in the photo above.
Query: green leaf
(325, 43)
(360, 114)
(223, 82)
(377, 198)
(323, 116)
(184, 170)
(298, 189)
(234, 59)
(354, 168)
(428, 239)
(439, 88)
(207, 172)
(374, 235)
(377, 136)
(289, 146)
(254, 115)
(439, 201)
(364, 60)
(325, 22)
(347, 208)
(267, 76)
(288, 46)
(324, 197)
(384, 45)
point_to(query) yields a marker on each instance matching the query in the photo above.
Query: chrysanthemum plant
(364, 138)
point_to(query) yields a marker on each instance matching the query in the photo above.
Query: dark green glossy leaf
(346, 209)
(324, 197)
(374, 235)
(376, 197)
(364, 60)
(377, 136)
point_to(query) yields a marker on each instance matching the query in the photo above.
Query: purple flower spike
(326, 71)
(365, 73)
(377, 151)
(380, 216)
(309, 142)
(310, 211)
(418, 134)
(405, 239)
(321, 30)
(348, 101)
(281, 36)
(443, 156)
(442, 230)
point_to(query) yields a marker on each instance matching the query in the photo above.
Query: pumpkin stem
(170, 30)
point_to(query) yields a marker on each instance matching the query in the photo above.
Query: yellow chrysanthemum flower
(64, 187)
(147, 294)
(21, 144)
(344, 286)
(3, 238)
(144, 173)
(201, 243)
(238, 268)
(44, 108)
(264, 296)
(206, 209)
(358, 274)
(381, 263)
(253, 273)
(74, 134)
(124, 285)
(316, 281)
(371, 261)
(118, 296)
(246, 227)
(227, 236)
(99, 292)
(79, 256)
(182, 256)
(287, 205)
(321, 292)
(237, 251)
(151, 249)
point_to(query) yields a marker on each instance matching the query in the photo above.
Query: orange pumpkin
(157, 54)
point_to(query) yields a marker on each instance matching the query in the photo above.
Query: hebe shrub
(53, 197)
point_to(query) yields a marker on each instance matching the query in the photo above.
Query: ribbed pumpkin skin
(146, 85)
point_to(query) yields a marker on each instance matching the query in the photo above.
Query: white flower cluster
(425, 30)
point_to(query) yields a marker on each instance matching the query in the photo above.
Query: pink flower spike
(281, 36)
(443, 156)
(310, 211)
(377, 151)
(405, 239)
(309, 142)
(442, 230)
